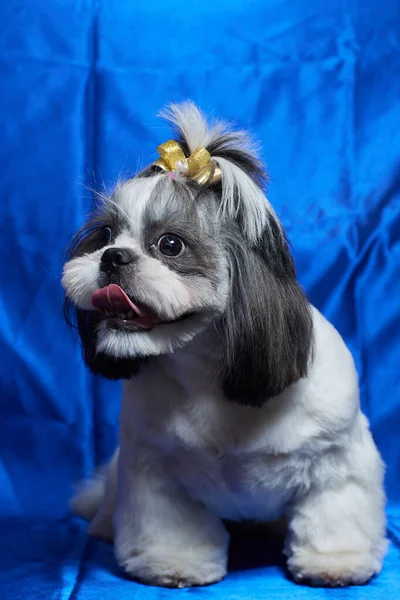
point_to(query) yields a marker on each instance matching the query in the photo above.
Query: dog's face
(151, 268)
(167, 257)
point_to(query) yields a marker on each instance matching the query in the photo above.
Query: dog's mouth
(116, 306)
(123, 312)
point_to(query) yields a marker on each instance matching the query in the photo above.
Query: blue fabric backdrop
(80, 83)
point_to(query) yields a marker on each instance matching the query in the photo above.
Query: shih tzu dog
(240, 400)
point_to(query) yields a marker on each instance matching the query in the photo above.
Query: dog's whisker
(241, 401)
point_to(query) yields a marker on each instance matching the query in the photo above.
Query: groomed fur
(274, 312)
(229, 322)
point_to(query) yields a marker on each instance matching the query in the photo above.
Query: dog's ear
(86, 323)
(267, 329)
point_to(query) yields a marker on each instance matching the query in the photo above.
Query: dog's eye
(106, 235)
(171, 245)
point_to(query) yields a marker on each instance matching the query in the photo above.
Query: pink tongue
(113, 298)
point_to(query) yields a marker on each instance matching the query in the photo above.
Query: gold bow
(199, 167)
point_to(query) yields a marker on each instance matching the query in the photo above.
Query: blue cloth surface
(48, 560)
(80, 83)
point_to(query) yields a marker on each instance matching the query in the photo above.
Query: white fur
(189, 120)
(307, 454)
(240, 191)
(131, 198)
(236, 185)
(80, 289)
(189, 458)
(156, 286)
(163, 338)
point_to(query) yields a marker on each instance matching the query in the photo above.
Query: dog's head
(175, 250)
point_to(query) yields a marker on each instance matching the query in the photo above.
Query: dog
(240, 400)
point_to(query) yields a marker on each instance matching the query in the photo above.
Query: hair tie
(198, 166)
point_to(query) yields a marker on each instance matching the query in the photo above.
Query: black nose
(115, 258)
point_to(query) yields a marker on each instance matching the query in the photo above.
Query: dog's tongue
(114, 299)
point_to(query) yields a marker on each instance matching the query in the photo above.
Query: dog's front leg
(336, 531)
(162, 536)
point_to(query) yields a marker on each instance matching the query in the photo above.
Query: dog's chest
(247, 487)
(234, 475)
(237, 461)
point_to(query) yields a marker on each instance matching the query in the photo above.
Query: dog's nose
(115, 258)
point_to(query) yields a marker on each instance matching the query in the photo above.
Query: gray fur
(235, 275)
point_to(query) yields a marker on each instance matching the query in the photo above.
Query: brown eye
(170, 245)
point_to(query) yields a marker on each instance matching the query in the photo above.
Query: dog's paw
(333, 570)
(174, 571)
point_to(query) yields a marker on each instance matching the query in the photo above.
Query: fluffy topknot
(243, 176)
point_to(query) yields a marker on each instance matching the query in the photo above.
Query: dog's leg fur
(336, 532)
(162, 536)
(94, 500)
